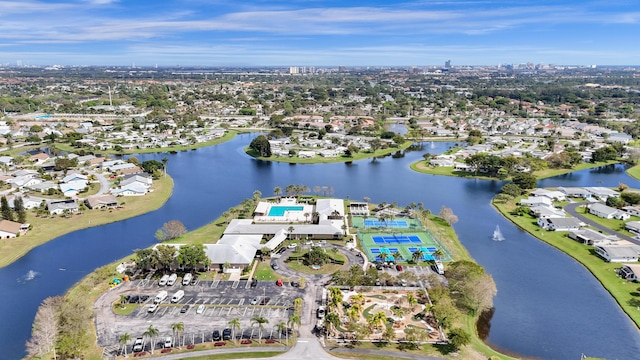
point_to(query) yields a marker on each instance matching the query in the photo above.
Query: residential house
(607, 212)
(592, 237)
(62, 206)
(101, 202)
(536, 201)
(630, 272)
(633, 226)
(132, 189)
(560, 224)
(602, 193)
(145, 181)
(575, 192)
(543, 211)
(618, 253)
(551, 194)
(39, 158)
(10, 229)
(632, 210)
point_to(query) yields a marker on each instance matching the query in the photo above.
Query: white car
(153, 308)
(200, 309)
(292, 246)
(138, 345)
(167, 342)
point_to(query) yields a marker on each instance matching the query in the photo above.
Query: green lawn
(46, 229)
(321, 160)
(634, 172)
(265, 272)
(624, 292)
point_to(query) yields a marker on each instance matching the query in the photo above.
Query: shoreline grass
(47, 229)
(634, 172)
(621, 290)
(421, 167)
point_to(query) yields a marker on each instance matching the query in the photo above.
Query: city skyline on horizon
(320, 33)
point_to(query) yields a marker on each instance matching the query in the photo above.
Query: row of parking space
(212, 284)
(194, 338)
(214, 312)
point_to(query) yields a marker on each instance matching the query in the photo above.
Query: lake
(548, 306)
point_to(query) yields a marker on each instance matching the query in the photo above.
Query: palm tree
(357, 298)
(124, 340)
(396, 256)
(282, 327)
(177, 328)
(377, 320)
(297, 304)
(336, 297)
(438, 254)
(164, 164)
(294, 320)
(152, 334)
(417, 255)
(123, 300)
(290, 230)
(277, 191)
(412, 300)
(235, 324)
(260, 321)
(306, 217)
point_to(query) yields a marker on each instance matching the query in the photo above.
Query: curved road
(571, 209)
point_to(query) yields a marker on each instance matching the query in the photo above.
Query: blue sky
(319, 32)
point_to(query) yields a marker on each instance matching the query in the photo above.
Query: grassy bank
(322, 160)
(625, 293)
(421, 166)
(634, 172)
(46, 229)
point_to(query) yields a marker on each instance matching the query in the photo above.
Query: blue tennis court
(397, 239)
(385, 253)
(388, 223)
(427, 252)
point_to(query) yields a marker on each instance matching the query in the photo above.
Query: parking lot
(222, 300)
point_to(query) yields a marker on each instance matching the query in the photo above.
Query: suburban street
(572, 209)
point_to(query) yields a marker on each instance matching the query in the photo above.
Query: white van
(160, 297)
(186, 280)
(439, 268)
(177, 296)
(172, 279)
(163, 280)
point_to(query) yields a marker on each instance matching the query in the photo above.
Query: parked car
(264, 300)
(254, 301)
(184, 309)
(399, 267)
(153, 308)
(194, 280)
(321, 312)
(167, 342)
(295, 284)
(254, 283)
(138, 345)
(186, 280)
(281, 250)
(216, 335)
(274, 266)
(292, 245)
(279, 282)
(200, 309)
(226, 334)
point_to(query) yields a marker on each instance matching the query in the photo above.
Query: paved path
(390, 354)
(572, 208)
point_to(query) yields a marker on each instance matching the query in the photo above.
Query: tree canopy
(261, 145)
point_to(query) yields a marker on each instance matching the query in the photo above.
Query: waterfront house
(602, 193)
(10, 229)
(630, 272)
(632, 210)
(618, 253)
(101, 202)
(551, 194)
(560, 224)
(536, 201)
(62, 206)
(592, 237)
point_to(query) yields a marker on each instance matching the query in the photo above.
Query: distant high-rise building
(447, 64)
(294, 70)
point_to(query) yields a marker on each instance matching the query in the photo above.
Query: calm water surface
(547, 306)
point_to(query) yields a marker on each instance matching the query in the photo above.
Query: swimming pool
(279, 210)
